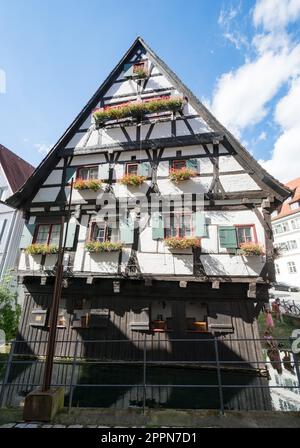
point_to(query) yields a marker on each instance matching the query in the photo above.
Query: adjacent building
(170, 229)
(286, 228)
(14, 171)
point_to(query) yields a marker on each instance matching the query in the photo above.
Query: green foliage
(106, 246)
(178, 175)
(138, 109)
(41, 249)
(249, 249)
(10, 310)
(133, 180)
(177, 242)
(89, 184)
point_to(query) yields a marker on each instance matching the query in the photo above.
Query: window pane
(101, 232)
(55, 232)
(42, 234)
(93, 173)
(132, 168)
(186, 229)
(178, 164)
(244, 234)
(84, 173)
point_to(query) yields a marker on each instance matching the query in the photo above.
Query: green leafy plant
(140, 73)
(132, 179)
(42, 249)
(181, 174)
(251, 249)
(10, 310)
(106, 246)
(176, 242)
(87, 184)
(138, 109)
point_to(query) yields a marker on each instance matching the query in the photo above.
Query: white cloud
(273, 14)
(229, 26)
(241, 97)
(43, 148)
(285, 161)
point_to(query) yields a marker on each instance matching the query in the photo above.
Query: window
(287, 245)
(246, 234)
(88, 172)
(292, 267)
(280, 228)
(277, 270)
(132, 168)
(178, 164)
(178, 224)
(295, 223)
(294, 205)
(139, 67)
(47, 234)
(100, 231)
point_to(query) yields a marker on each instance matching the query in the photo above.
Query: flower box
(138, 109)
(133, 180)
(87, 184)
(106, 246)
(249, 249)
(182, 243)
(181, 174)
(41, 249)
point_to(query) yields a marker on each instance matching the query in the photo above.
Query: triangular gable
(136, 52)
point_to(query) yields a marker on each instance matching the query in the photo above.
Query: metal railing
(218, 364)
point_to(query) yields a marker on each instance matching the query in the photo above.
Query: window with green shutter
(228, 237)
(126, 230)
(200, 224)
(27, 235)
(192, 164)
(144, 169)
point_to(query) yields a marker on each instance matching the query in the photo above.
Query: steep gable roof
(16, 170)
(263, 179)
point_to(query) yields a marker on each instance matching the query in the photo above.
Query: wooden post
(56, 299)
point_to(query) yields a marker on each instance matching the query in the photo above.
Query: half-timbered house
(136, 272)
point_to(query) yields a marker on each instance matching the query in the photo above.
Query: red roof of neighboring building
(16, 169)
(284, 209)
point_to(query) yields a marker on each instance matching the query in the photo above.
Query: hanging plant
(87, 184)
(140, 73)
(42, 249)
(105, 246)
(251, 249)
(181, 174)
(176, 242)
(133, 180)
(138, 109)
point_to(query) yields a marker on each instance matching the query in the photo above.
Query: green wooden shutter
(227, 236)
(144, 169)
(192, 164)
(128, 70)
(27, 235)
(126, 230)
(104, 171)
(199, 223)
(71, 234)
(157, 226)
(70, 174)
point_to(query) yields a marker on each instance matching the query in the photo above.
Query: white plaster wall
(127, 87)
(161, 130)
(229, 163)
(46, 194)
(104, 263)
(238, 182)
(236, 265)
(55, 177)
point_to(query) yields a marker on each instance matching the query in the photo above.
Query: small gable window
(132, 169)
(88, 172)
(140, 68)
(179, 164)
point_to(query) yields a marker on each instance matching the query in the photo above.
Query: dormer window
(139, 67)
(132, 169)
(88, 172)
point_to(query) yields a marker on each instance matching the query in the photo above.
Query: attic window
(132, 168)
(178, 164)
(140, 69)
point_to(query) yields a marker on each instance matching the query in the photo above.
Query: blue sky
(240, 57)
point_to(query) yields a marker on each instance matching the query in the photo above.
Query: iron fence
(7, 382)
